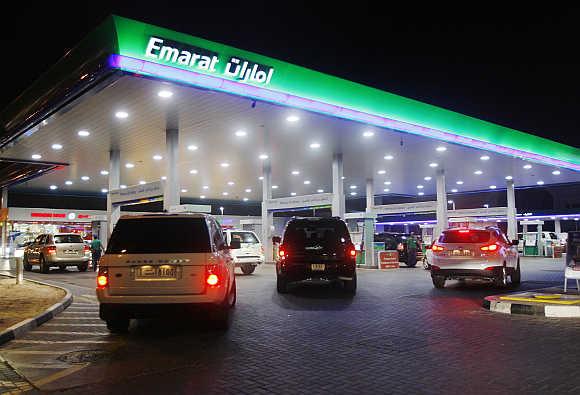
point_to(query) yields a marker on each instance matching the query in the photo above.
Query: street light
(451, 202)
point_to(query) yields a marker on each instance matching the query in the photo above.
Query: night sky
(515, 67)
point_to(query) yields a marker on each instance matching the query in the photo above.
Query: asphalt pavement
(397, 335)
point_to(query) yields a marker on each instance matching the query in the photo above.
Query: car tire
(501, 280)
(281, 284)
(516, 276)
(221, 317)
(248, 269)
(83, 267)
(350, 285)
(44, 268)
(438, 282)
(27, 266)
(118, 325)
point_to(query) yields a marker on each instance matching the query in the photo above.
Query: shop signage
(319, 199)
(405, 208)
(191, 208)
(199, 59)
(389, 259)
(478, 212)
(137, 192)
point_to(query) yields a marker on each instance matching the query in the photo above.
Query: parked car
(316, 250)
(397, 241)
(59, 250)
(483, 254)
(251, 252)
(164, 265)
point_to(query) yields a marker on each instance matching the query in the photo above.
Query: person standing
(96, 250)
(412, 246)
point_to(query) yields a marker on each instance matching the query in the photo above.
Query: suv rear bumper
(455, 274)
(111, 311)
(54, 260)
(295, 272)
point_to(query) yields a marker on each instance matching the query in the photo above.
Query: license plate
(163, 272)
(70, 252)
(461, 252)
(317, 267)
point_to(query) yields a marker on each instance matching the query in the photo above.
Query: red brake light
(212, 279)
(102, 281)
(51, 250)
(352, 252)
(213, 275)
(491, 247)
(282, 253)
(437, 248)
(86, 248)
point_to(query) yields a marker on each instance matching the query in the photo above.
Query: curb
(493, 303)
(23, 327)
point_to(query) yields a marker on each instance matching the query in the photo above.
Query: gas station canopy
(128, 81)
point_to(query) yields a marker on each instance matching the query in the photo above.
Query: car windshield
(159, 235)
(59, 239)
(465, 236)
(245, 237)
(309, 233)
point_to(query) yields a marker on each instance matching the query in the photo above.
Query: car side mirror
(235, 245)
(515, 242)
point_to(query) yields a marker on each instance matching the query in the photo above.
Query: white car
(484, 254)
(164, 265)
(251, 252)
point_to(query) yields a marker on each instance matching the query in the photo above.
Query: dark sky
(517, 67)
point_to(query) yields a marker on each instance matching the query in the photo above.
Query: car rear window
(159, 235)
(245, 237)
(466, 236)
(59, 239)
(312, 233)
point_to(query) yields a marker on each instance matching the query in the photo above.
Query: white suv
(251, 252)
(165, 264)
(484, 254)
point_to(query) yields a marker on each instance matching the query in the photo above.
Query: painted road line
(21, 341)
(68, 333)
(52, 324)
(59, 375)
(89, 296)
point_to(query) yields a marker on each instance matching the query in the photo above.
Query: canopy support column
(512, 225)
(337, 186)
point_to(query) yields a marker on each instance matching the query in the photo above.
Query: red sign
(388, 259)
(47, 215)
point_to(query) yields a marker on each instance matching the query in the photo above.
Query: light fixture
(129, 165)
(389, 157)
(295, 172)
(225, 164)
(53, 187)
(165, 94)
(192, 147)
(292, 118)
(459, 182)
(540, 182)
(387, 182)
(315, 145)
(556, 172)
(225, 193)
(320, 190)
(386, 190)
(104, 172)
(342, 178)
(433, 164)
(478, 172)
(85, 178)
(509, 178)
(353, 187)
(274, 186)
(121, 114)
(527, 167)
(68, 182)
(261, 178)
(441, 149)
(123, 186)
(193, 171)
(450, 202)
(157, 157)
(292, 193)
(205, 187)
(184, 191)
(202, 196)
(421, 193)
(104, 190)
(307, 182)
(163, 178)
(353, 194)
(245, 199)
(427, 178)
(248, 190)
(492, 187)
(241, 133)
(36, 156)
(420, 187)
(142, 182)
(484, 157)
(454, 190)
(83, 133)
(230, 183)
(368, 133)
(56, 147)
(381, 172)
(263, 156)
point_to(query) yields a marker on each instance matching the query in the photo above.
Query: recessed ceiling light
(83, 133)
(478, 172)
(381, 172)
(192, 147)
(386, 190)
(315, 145)
(368, 133)
(459, 182)
(68, 182)
(85, 178)
(509, 178)
(427, 178)
(53, 187)
(225, 164)
(320, 190)
(202, 196)
(292, 118)
(353, 194)
(420, 186)
(387, 182)
(274, 186)
(225, 193)
(56, 147)
(123, 186)
(129, 165)
(527, 167)
(292, 193)
(295, 172)
(36, 156)
(565, 218)
(163, 178)
(441, 149)
(245, 199)
(433, 164)
(263, 156)
(540, 182)
(342, 178)
(205, 187)
(157, 157)
(421, 193)
(454, 190)
(121, 114)
(492, 187)
(248, 190)
(104, 172)
(556, 172)
(165, 94)
(389, 157)
(241, 133)
(260, 178)
(484, 157)
(193, 171)
(104, 190)
(142, 182)
(230, 183)
(353, 187)
(307, 182)
(184, 191)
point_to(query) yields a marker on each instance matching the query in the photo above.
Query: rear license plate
(163, 273)
(70, 252)
(317, 267)
(461, 253)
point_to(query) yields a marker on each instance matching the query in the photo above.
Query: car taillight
(437, 248)
(212, 279)
(51, 250)
(212, 275)
(352, 252)
(86, 248)
(103, 278)
(491, 247)
(282, 253)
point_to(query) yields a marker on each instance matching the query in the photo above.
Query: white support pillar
(512, 224)
(337, 187)
(267, 216)
(4, 205)
(369, 227)
(113, 212)
(442, 220)
(557, 227)
(171, 196)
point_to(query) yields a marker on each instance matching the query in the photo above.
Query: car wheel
(516, 275)
(438, 282)
(221, 317)
(44, 268)
(27, 266)
(281, 284)
(118, 325)
(83, 267)
(501, 279)
(248, 269)
(350, 285)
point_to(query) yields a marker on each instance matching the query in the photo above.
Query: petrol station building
(141, 113)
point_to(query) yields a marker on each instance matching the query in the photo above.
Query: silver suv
(483, 254)
(60, 250)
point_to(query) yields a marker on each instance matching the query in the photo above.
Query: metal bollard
(19, 271)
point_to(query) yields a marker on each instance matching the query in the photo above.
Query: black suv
(398, 241)
(316, 249)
